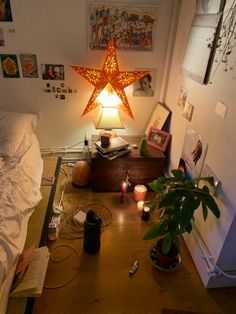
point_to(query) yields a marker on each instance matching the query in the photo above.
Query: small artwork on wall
(133, 26)
(60, 91)
(52, 71)
(144, 87)
(182, 97)
(29, 65)
(193, 154)
(2, 41)
(5, 11)
(188, 111)
(10, 66)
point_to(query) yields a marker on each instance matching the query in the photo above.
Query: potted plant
(177, 199)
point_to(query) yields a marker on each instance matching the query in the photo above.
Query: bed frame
(37, 232)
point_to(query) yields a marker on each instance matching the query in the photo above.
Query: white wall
(56, 31)
(219, 133)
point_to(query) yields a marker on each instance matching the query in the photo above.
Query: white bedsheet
(20, 179)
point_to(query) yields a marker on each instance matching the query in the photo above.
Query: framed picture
(133, 26)
(158, 118)
(158, 139)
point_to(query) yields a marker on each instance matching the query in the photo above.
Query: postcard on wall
(182, 97)
(29, 65)
(2, 41)
(10, 66)
(193, 153)
(5, 11)
(188, 111)
(145, 86)
(158, 118)
(133, 26)
(52, 71)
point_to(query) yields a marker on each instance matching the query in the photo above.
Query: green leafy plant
(177, 199)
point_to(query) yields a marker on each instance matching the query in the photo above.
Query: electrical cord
(53, 259)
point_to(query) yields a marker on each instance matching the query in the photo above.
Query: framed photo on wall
(158, 139)
(132, 26)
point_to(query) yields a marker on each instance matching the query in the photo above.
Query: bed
(21, 169)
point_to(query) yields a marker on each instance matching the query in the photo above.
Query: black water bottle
(92, 232)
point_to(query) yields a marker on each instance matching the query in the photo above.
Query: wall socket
(207, 172)
(221, 109)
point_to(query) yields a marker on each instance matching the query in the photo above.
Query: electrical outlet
(207, 172)
(221, 109)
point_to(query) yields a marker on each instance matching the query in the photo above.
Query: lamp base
(105, 137)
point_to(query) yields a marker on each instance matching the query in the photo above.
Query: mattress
(20, 180)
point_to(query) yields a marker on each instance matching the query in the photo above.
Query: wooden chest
(107, 175)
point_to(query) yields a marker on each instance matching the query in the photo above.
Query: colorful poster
(52, 71)
(133, 27)
(10, 66)
(29, 65)
(193, 154)
(5, 11)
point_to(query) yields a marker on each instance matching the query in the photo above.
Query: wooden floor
(81, 283)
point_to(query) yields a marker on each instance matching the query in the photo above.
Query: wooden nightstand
(107, 175)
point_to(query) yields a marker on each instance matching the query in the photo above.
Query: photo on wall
(132, 26)
(2, 40)
(145, 86)
(5, 11)
(10, 66)
(52, 71)
(29, 65)
(193, 154)
(183, 92)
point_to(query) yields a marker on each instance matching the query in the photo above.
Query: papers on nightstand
(114, 154)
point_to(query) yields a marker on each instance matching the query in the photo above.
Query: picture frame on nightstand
(158, 138)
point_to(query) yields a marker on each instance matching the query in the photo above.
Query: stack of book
(117, 147)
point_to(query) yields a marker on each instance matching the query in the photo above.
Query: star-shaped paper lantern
(109, 74)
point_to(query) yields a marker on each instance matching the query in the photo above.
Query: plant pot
(165, 262)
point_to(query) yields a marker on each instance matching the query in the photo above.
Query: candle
(123, 191)
(145, 213)
(140, 206)
(140, 192)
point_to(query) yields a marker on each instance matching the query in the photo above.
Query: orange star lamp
(109, 76)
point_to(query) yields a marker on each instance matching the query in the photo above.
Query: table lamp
(109, 118)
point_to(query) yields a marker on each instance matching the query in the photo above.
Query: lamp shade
(109, 119)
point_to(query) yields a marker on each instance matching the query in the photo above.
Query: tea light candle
(140, 192)
(145, 213)
(140, 206)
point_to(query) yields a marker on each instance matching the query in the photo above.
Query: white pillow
(14, 126)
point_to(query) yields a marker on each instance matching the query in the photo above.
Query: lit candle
(123, 191)
(140, 192)
(145, 213)
(140, 206)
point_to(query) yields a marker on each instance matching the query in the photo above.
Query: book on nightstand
(116, 143)
(30, 273)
